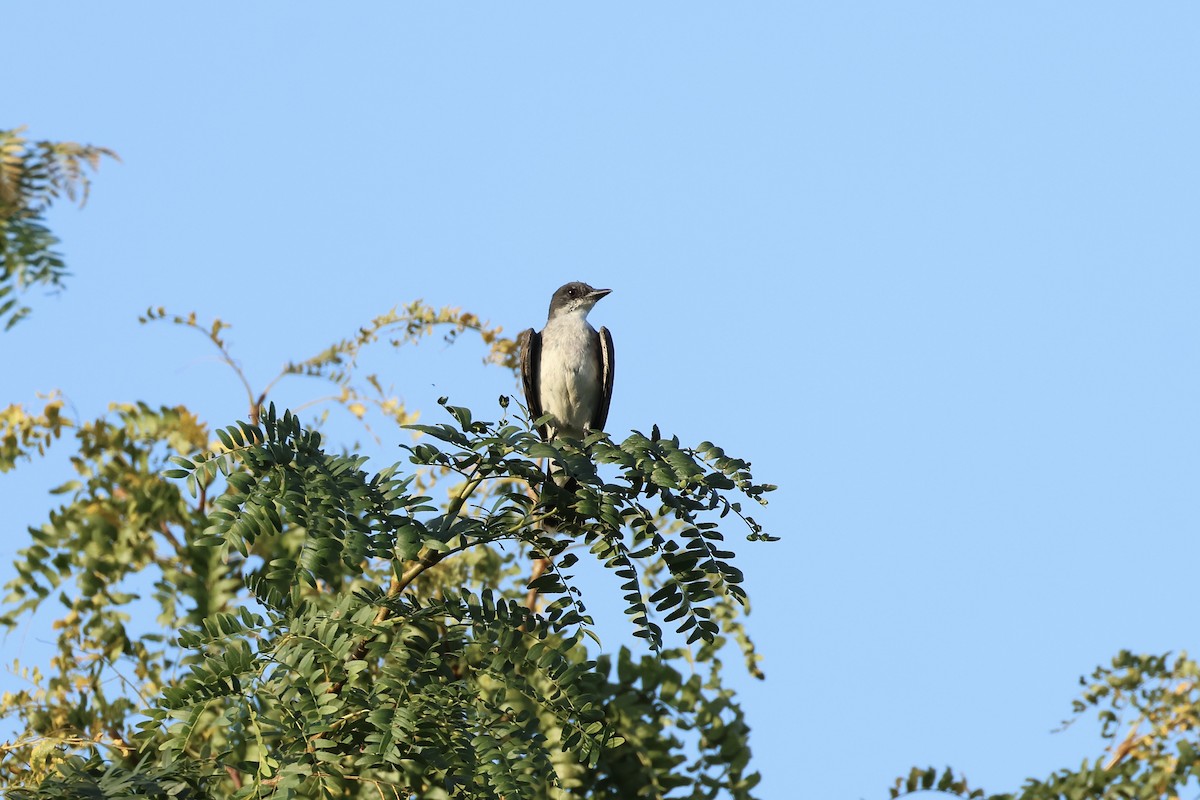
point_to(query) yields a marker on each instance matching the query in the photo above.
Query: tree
(324, 630)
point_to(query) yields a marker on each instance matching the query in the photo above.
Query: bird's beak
(596, 294)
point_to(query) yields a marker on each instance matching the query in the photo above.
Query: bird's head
(575, 297)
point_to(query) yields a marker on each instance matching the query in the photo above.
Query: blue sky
(931, 266)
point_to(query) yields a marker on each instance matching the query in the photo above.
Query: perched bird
(567, 369)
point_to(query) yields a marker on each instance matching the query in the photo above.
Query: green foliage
(464, 692)
(1155, 700)
(76, 777)
(329, 631)
(922, 780)
(118, 519)
(32, 176)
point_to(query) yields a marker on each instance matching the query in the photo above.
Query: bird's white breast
(570, 378)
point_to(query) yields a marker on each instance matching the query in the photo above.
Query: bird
(567, 369)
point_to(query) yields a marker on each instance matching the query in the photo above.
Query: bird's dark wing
(530, 342)
(607, 363)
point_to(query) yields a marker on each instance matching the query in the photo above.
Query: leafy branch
(32, 175)
(1157, 757)
(337, 363)
(23, 432)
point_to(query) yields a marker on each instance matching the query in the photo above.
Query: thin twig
(165, 528)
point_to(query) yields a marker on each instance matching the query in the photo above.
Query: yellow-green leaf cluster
(23, 432)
